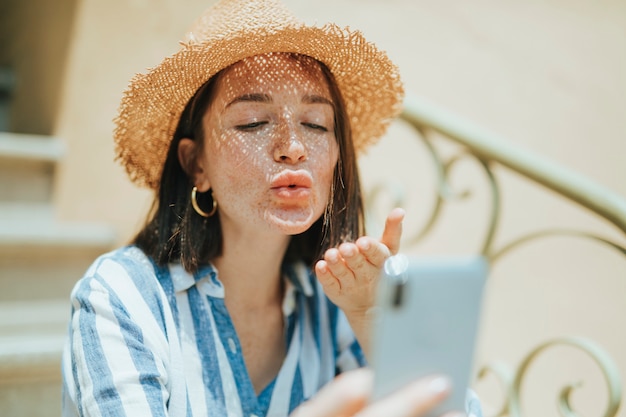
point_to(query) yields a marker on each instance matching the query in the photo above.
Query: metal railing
(490, 150)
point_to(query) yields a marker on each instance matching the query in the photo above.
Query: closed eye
(250, 126)
(315, 126)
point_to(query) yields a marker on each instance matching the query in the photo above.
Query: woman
(246, 292)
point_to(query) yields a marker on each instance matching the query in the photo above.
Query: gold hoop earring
(196, 207)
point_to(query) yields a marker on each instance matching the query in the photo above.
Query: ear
(192, 165)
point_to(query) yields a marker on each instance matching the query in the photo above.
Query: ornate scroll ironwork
(512, 382)
(599, 355)
(488, 150)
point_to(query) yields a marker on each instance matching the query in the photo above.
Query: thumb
(393, 230)
(342, 397)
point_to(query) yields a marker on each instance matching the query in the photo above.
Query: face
(270, 148)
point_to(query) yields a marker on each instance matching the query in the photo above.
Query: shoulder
(125, 263)
(123, 276)
(127, 260)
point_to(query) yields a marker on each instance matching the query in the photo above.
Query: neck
(250, 269)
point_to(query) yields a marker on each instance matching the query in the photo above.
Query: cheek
(233, 154)
(326, 158)
(323, 165)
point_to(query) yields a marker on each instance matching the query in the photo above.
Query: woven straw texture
(228, 32)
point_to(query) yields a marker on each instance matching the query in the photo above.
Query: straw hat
(225, 34)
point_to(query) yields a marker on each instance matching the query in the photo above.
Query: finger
(393, 230)
(338, 268)
(328, 281)
(355, 261)
(374, 251)
(343, 396)
(412, 401)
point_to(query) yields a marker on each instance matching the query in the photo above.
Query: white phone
(426, 322)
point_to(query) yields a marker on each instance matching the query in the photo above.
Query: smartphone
(426, 321)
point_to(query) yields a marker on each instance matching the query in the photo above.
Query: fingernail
(349, 251)
(439, 385)
(332, 257)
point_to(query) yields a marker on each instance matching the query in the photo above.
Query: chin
(290, 222)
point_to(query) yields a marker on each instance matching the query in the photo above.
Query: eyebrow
(313, 99)
(253, 97)
(264, 98)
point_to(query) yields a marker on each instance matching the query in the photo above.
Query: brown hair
(175, 232)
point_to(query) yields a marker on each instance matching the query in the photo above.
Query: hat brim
(152, 104)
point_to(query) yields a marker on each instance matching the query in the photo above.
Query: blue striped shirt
(146, 340)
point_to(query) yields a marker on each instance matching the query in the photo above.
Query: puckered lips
(292, 185)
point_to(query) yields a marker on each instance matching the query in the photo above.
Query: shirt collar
(297, 279)
(298, 274)
(205, 277)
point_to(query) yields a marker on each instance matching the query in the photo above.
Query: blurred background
(545, 76)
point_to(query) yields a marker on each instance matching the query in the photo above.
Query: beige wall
(546, 75)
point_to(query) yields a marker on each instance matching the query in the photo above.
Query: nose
(289, 148)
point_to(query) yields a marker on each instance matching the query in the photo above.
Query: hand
(348, 394)
(349, 274)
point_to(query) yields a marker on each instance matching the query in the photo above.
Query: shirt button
(233, 349)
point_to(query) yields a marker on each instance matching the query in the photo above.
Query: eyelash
(250, 126)
(255, 125)
(314, 126)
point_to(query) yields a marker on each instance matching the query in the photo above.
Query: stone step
(32, 335)
(28, 147)
(31, 398)
(34, 225)
(42, 258)
(27, 164)
(31, 338)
